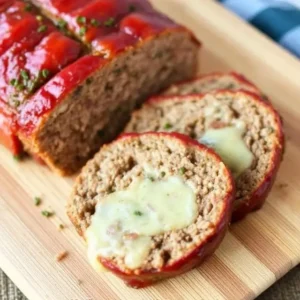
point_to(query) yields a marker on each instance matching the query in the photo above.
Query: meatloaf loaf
(244, 129)
(212, 82)
(66, 97)
(152, 206)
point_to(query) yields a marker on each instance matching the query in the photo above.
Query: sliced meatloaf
(69, 99)
(213, 82)
(244, 129)
(151, 206)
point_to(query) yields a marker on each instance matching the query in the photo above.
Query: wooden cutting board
(255, 253)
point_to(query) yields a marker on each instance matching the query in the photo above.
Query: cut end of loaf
(119, 163)
(195, 114)
(100, 105)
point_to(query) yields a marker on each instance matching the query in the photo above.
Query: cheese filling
(124, 221)
(229, 144)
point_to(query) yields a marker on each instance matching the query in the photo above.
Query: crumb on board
(47, 213)
(37, 201)
(61, 227)
(79, 282)
(62, 255)
(282, 185)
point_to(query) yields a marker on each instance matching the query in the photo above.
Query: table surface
(287, 288)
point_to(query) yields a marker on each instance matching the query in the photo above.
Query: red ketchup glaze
(109, 26)
(8, 130)
(53, 54)
(31, 52)
(50, 95)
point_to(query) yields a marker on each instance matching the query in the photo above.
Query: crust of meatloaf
(89, 115)
(213, 82)
(115, 167)
(264, 134)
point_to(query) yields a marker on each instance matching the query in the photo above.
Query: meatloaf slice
(213, 82)
(202, 117)
(84, 103)
(124, 196)
(89, 102)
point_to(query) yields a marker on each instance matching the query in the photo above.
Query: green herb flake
(28, 7)
(163, 174)
(110, 22)
(132, 8)
(17, 157)
(168, 126)
(95, 22)
(138, 213)
(82, 31)
(17, 103)
(45, 73)
(37, 201)
(39, 18)
(151, 178)
(61, 24)
(20, 87)
(61, 226)
(47, 213)
(182, 170)
(42, 28)
(81, 20)
(14, 82)
(24, 74)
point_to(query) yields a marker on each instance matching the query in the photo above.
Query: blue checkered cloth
(280, 20)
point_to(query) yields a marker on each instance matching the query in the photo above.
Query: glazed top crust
(37, 58)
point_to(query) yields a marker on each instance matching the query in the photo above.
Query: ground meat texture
(99, 105)
(115, 167)
(263, 136)
(213, 82)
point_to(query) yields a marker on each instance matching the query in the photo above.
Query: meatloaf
(152, 206)
(213, 82)
(69, 84)
(243, 128)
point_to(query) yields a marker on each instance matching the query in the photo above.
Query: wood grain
(255, 253)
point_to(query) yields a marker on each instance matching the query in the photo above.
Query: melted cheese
(229, 144)
(124, 221)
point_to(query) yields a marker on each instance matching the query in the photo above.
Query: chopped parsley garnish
(16, 157)
(138, 213)
(14, 82)
(163, 174)
(62, 24)
(151, 178)
(95, 22)
(47, 213)
(45, 73)
(20, 87)
(168, 126)
(61, 226)
(132, 8)
(39, 18)
(42, 28)
(110, 22)
(17, 103)
(81, 20)
(82, 31)
(182, 170)
(24, 74)
(37, 201)
(28, 7)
